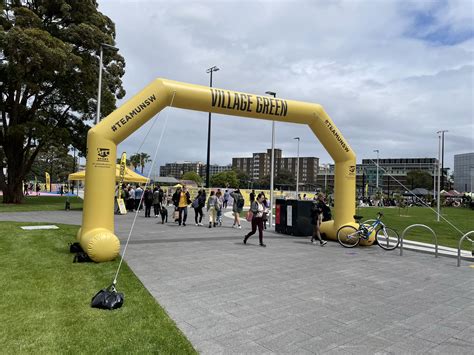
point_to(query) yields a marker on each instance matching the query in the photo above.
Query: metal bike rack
(459, 246)
(423, 226)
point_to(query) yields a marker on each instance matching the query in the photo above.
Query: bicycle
(387, 238)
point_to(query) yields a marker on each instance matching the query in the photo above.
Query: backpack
(149, 196)
(81, 257)
(218, 204)
(240, 202)
(326, 213)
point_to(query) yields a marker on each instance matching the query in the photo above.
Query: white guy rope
(146, 185)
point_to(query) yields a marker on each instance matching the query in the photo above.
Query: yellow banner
(48, 181)
(123, 165)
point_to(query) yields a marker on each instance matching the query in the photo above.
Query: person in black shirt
(252, 196)
(316, 218)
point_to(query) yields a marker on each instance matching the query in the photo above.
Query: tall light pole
(99, 90)
(208, 161)
(438, 197)
(297, 167)
(74, 168)
(272, 167)
(377, 178)
(442, 157)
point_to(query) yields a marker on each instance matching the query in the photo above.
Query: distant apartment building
(464, 172)
(392, 174)
(259, 166)
(177, 169)
(214, 169)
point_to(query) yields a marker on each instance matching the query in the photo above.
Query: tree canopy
(49, 51)
(193, 176)
(419, 178)
(225, 179)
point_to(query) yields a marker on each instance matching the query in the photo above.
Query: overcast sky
(389, 73)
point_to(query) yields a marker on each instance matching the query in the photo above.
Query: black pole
(74, 168)
(363, 183)
(208, 143)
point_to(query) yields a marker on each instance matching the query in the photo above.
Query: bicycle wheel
(348, 236)
(387, 238)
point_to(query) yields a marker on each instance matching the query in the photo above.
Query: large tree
(224, 179)
(56, 161)
(49, 64)
(193, 176)
(419, 178)
(243, 179)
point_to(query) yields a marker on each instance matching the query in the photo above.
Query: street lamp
(209, 71)
(272, 168)
(438, 197)
(442, 157)
(99, 91)
(377, 179)
(297, 167)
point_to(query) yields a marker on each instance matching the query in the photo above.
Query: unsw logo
(103, 154)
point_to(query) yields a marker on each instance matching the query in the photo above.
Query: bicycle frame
(366, 231)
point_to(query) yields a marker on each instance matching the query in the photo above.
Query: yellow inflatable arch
(97, 236)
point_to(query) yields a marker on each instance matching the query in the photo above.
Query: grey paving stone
(283, 340)
(466, 335)
(412, 344)
(366, 345)
(436, 333)
(326, 341)
(453, 346)
(248, 348)
(209, 347)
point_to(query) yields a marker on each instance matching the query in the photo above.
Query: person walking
(138, 197)
(252, 196)
(148, 200)
(226, 198)
(237, 207)
(219, 204)
(211, 209)
(131, 199)
(198, 204)
(258, 209)
(265, 213)
(156, 201)
(181, 200)
(316, 218)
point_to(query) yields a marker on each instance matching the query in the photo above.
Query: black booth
(293, 217)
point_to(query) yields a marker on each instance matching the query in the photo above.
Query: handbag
(249, 216)
(176, 215)
(107, 298)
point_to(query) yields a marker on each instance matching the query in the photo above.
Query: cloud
(389, 73)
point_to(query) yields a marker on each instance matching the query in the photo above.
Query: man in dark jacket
(148, 199)
(316, 218)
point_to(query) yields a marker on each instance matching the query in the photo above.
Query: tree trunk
(13, 191)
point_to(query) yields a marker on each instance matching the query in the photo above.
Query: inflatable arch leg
(97, 233)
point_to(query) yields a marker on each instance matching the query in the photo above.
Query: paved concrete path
(293, 297)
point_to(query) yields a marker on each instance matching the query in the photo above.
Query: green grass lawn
(45, 301)
(462, 218)
(42, 203)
